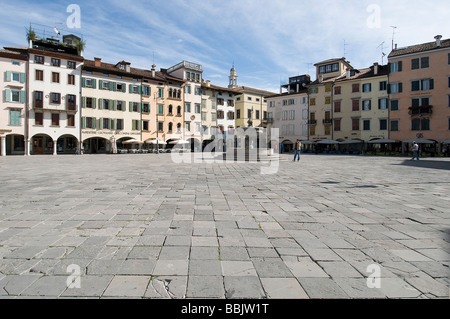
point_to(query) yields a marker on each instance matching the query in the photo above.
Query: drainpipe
(27, 112)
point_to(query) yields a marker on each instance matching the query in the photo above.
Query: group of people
(298, 148)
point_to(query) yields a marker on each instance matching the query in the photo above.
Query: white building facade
(111, 106)
(13, 68)
(192, 74)
(288, 112)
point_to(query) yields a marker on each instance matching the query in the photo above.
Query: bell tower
(233, 78)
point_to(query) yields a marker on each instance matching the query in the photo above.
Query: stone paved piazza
(141, 226)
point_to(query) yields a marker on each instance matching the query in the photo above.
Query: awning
(155, 141)
(420, 141)
(328, 142)
(351, 142)
(180, 142)
(384, 141)
(308, 142)
(445, 142)
(133, 141)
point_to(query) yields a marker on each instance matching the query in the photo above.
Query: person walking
(415, 150)
(297, 149)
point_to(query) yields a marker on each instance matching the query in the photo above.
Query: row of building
(404, 101)
(56, 102)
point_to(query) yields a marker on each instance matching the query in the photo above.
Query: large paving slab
(143, 226)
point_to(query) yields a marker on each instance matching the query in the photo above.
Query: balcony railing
(419, 110)
(312, 122)
(328, 121)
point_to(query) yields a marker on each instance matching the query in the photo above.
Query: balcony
(327, 121)
(312, 122)
(421, 110)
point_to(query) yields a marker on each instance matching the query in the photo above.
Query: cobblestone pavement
(141, 226)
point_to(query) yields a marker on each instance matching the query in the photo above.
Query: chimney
(348, 74)
(153, 70)
(375, 68)
(208, 83)
(438, 40)
(128, 68)
(320, 78)
(98, 62)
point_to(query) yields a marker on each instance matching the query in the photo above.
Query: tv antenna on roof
(382, 52)
(309, 65)
(393, 35)
(345, 48)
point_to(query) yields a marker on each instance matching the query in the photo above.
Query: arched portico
(42, 144)
(97, 145)
(14, 144)
(67, 144)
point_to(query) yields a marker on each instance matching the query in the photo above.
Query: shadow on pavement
(435, 164)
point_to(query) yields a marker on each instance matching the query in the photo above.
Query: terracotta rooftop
(302, 91)
(241, 90)
(424, 47)
(159, 76)
(218, 88)
(13, 54)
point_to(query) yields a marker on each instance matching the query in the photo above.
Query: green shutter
(130, 88)
(112, 86)
(400, 87)
(100, 123)
(83, 102)
(8, 76)
(94, 123)
(94, 84)
(100, 104)
(113, 104)
(23, 77)
(431, 84)
(131, 107)
(133, 125)
(100, 84)
(400, 66)
(23, 96)
(83, 122)
(7, 94)
(124, 106)
(83, 82)
(124, 88)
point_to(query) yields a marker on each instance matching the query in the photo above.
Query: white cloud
(266, 39)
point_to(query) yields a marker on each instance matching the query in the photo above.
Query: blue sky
(268, 41)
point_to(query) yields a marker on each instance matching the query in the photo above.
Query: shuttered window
(14, 117)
